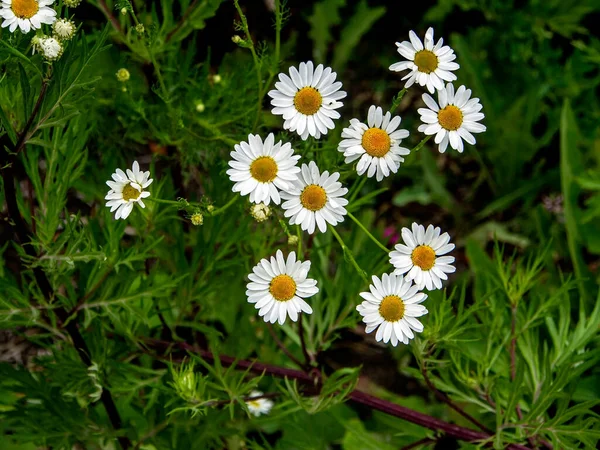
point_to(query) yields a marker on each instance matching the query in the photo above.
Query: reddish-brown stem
(384, 406)
(109, 15)
(282, 347)
(307, 357)
(444, 398)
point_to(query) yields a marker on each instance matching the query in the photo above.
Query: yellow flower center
(391, 308)
(254, 403)
(426, 61)
(313, 197)
(450, 118)
(264, 169)
(130, 193)
(308, 100)
(282, 288)
(423, 256)
(24, 9)
(376, 142)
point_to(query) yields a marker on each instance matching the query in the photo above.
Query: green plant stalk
(349, 254)
(368, 233)
(418, 147)
(397, 100)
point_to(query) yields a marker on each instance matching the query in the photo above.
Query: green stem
(397, 100)
(348, 254)
(158, 200)
(368, 233)
(299, 234)
(420, 144)
(223, 208)
(357, 187)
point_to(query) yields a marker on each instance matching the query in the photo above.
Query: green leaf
(324, 17)
(363, 19)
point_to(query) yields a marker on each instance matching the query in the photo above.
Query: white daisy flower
(64, 29)
(376, 144)
(455, 118)
(127, 189)
(421, 256)
(278, 288)
(260, 168)
(258, 406)
(26, 14)
(307, 100)
(429, 64)
(392, 308)
(315, 199)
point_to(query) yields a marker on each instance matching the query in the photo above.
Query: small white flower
(64, 29)
(278, 288)
(307, 100)
(259, 169)
(455, 118)
(315, 199)
(50, 48)
(429, 64)
(26, 14)
(127, 189)
(260, 405)
(392, 308)
(376, 144)
(421, 256)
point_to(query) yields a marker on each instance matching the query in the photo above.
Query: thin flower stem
(224, 208)
(397, 100)
(348, 254)
(299, 234)
(282, 347)
(307, 357)
(368, 233)
(356, 188)
(160, 200)
(420, 144)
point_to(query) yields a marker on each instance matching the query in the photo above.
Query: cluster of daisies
(28, 15)
(269, 172)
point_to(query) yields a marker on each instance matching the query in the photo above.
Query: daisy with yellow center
(455, 118)
(278, 288)
(392, 307)
(307, 99)
(126, 189)
(420, 257)
(376, 145)
(315, 199)
(26, 14)
(430, 65)
(261, 168)
(258, 405)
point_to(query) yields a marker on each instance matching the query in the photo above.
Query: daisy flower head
(429, 64)
(50, 48)
(307, 99)
(420, 257)
(315, 199)
(392, 307)
(127, 189)
(376, 144)
(278, 288)
(258, 406)
(26, 14)
(453, 118)
(261, 168)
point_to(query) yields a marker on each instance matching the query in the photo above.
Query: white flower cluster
(270, 172)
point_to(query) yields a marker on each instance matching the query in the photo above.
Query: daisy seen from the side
(392, 307)
(261, 168)
(315, 199)
(452, 119)
(376, 144)
(307, 99)
(258, 405)
(421, 256)
(430, 63)
(26, 14)
(279, 286)
(126, 189)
